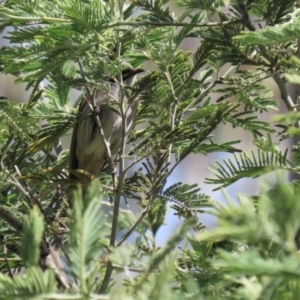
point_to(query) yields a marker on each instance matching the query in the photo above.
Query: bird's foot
(113, 167)
(96, 109)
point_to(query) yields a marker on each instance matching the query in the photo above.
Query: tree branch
(133, 227)
(48, 257)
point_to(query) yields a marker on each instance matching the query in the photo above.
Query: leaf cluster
(61, 48)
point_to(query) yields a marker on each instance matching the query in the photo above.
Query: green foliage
(265, 264)
(32, 236)
(58, 125)
(272, 35)
(61, 47)
(261, 163)
(35, 284)
(87, 225)
(15, 118)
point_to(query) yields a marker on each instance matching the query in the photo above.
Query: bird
(87, 150)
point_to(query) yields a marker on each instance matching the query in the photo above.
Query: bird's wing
(73, 161)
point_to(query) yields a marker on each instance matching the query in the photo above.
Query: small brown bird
(87, 150)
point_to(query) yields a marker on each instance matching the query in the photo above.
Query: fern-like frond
(252, 123)
(204, 124)
(271, 35)
(209, 5)
(34, 284)
(248, 167)
(32, 236)
(156, 214)
(156, 9)
(58, 125)
(186, 31)
(87, 225)
(206, 148)
(247, 88)
(58, 91)
(186, 197)
(12, 115)
(88, 17)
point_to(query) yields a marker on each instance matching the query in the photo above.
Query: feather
(87, 152)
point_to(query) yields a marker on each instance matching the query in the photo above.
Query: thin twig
(114, 227)
(13, 221)
(9, 19)
(137, 222)
(287, 99)
(119, 267)
(173, 111)
(141, 144)
(83, 75)
(5, 149)
(10, 259)
(49, 257)
(131, 269)
(104, 141)
(33, 199)
(192, 103)
(246, 18)
(117, 191)
(134, 163)
(172, 24)
(115, 266)
(6, 261)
